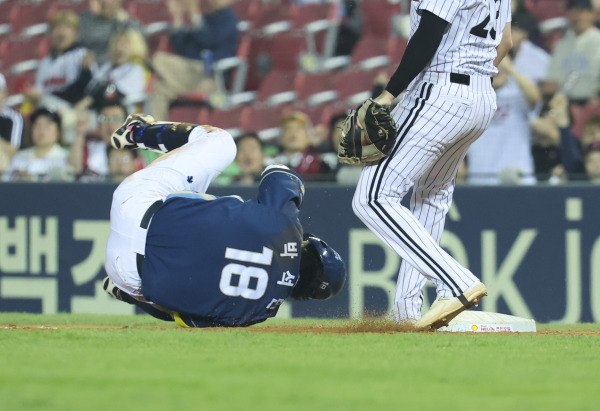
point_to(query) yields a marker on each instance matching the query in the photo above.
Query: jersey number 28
(250, 282)
(481, 31)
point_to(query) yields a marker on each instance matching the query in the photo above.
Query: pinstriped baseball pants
(437, 122)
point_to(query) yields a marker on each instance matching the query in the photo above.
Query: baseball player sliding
(204, 261)
(447, 69)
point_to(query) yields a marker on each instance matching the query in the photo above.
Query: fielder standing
(447, 69)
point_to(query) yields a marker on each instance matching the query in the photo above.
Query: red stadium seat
(270, 13)
(302, 15)
(76, 6)
(310, 84)
(184, 113)
(395, 49)
(546, 9)
(246, 10)
(352, 82)
(377, 15)
(18, 50)
(285, 50)
(5, 8)
(368, 47)
(276, 82)
(149, 11)
(28, 14)
(225, 119)
(260, 119)
(318, 114)
(18, 83)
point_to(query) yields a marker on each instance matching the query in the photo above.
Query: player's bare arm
(505, 44)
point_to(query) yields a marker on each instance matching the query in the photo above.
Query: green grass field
(138, 363)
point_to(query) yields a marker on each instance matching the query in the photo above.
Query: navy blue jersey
(222, 261)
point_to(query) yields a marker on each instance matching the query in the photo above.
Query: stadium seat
(354, 86)
(310, 84)
(300, 16)
(229, 119)
(318, 22)
(277, 87)
(270, 13)
(24, 15)
(377, 16)
(546, 9)
(18, 83)
(395, 49)
(21, 55)
(264, 121)
(149, 12)
(285, 50)
(246, 10)
(76, 6)
(5, 8)
(185, 113)
(318, 114)
(370, 50)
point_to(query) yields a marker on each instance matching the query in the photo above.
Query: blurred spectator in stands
(296, 149)
(556, 151)
(122, 163)
(209, 38)
(503, 152)
(46, 160)
(250, 159)
(592, 162)
(97, 26)
(11, 128)
(124, 77)
(575, 66)
(350, 28)
(63, 75)
(88, 154)
(596, 6)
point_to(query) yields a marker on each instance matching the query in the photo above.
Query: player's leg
(429, 124)
(206, 152)
(430, 204)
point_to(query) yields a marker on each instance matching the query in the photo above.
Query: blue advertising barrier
(536, 248)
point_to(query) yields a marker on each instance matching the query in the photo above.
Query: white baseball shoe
(122, 138)
(444, 309)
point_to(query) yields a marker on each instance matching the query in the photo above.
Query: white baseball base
(485, 322)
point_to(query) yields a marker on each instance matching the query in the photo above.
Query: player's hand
(385, 98)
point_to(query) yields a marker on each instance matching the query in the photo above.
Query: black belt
(463, 79)
(145, 224)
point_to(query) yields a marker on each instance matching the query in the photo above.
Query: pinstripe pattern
(16, 131)
(438, 120)
(461, 51)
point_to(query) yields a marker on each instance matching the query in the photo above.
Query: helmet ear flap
(323, 269)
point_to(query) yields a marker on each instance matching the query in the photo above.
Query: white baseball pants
(437, 122)
(190, 167)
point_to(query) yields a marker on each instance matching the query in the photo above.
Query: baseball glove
(373, 141)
